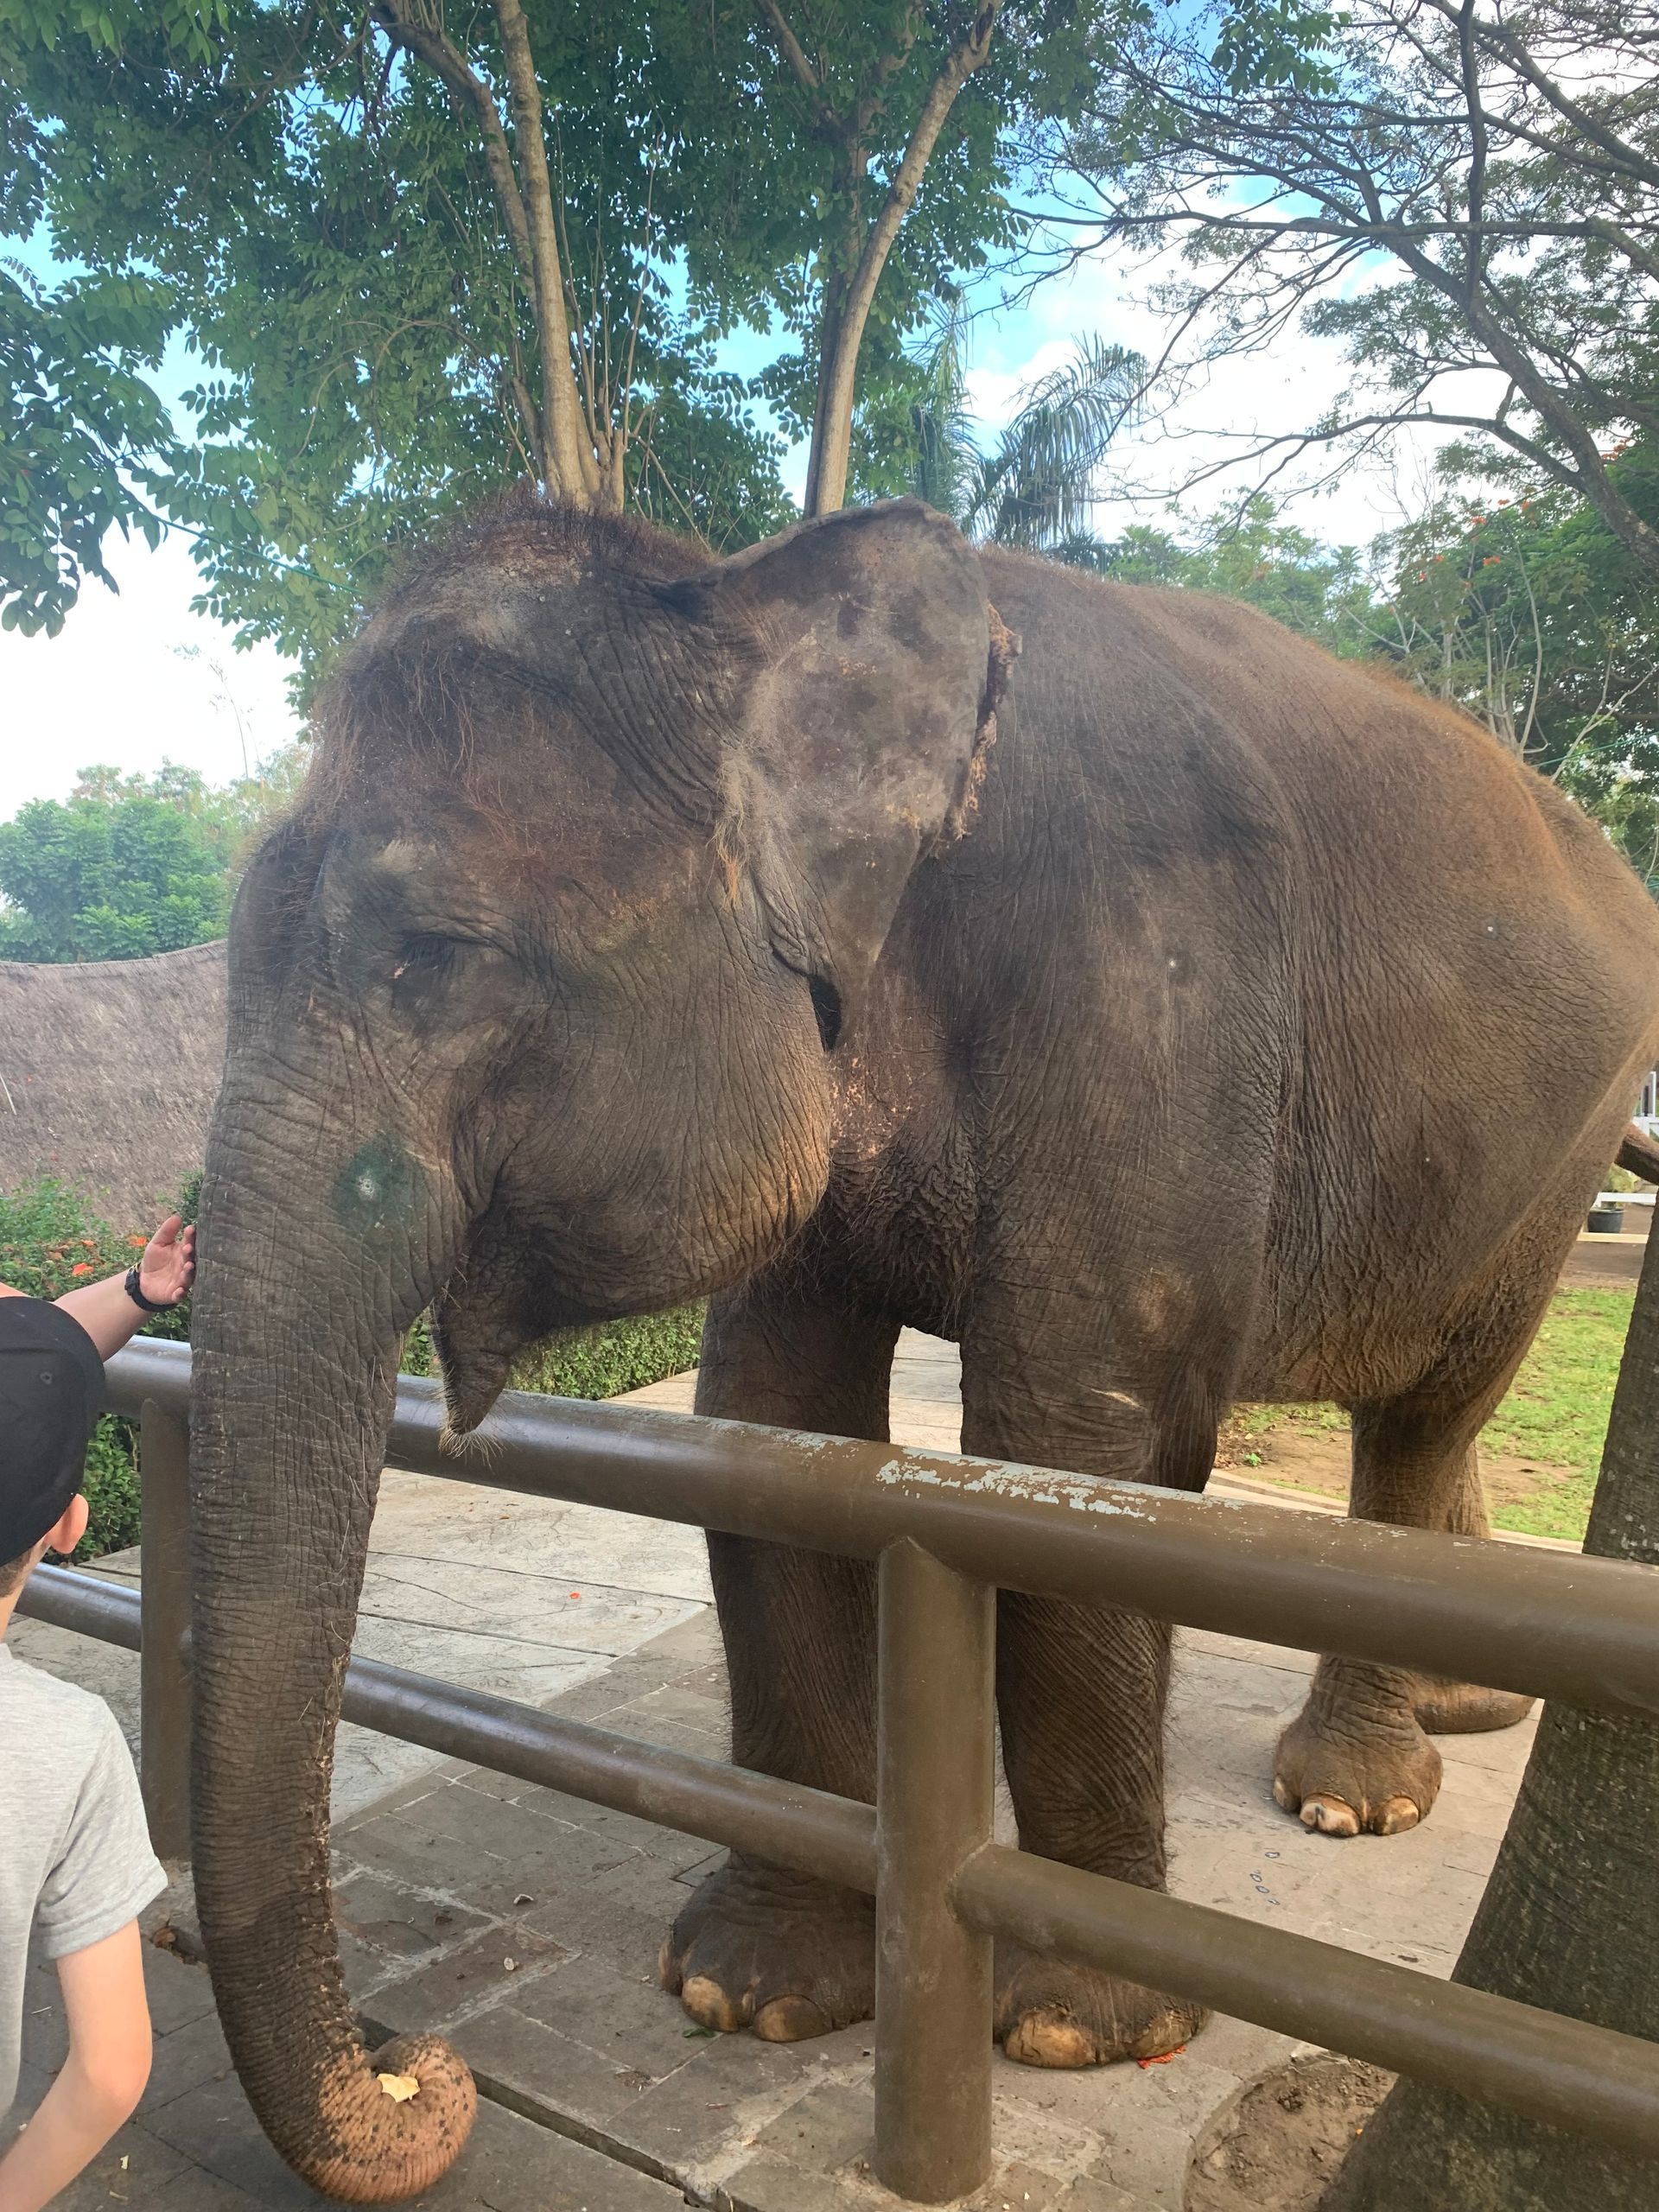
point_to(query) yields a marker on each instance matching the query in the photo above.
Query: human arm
(100, 2081)
(165, 1274)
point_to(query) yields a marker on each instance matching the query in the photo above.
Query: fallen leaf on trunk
(400, 2088)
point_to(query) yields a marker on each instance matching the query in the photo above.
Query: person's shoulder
(79, 1721)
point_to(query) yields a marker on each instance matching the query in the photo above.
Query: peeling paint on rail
(1084, 1494)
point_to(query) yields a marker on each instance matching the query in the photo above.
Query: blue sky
(136, 677)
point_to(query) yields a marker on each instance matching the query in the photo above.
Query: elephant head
(534, 1001)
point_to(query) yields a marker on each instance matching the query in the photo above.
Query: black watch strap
(137, 1296)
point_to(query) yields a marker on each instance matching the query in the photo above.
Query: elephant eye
(425, 956)
(826, 1007)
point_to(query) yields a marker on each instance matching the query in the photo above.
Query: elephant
(868, 929)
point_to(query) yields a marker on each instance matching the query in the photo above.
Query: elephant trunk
(296, 1332)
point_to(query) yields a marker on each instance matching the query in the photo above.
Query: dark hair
(12, 1571)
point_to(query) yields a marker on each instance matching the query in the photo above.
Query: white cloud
(112, 685)
(1220, 413)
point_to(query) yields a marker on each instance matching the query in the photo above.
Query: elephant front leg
(1081, 1692)
(1081, 1689)
(1358, 1758)
(757, 1945)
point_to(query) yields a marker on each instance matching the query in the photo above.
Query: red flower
(82, 1267)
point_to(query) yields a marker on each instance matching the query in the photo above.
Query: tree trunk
(832, 426)
(1570, 1920)
(570, 466)
(562, 434)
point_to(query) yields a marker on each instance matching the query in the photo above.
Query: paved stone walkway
(525, 1924)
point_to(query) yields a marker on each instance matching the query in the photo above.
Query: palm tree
(1035, 489)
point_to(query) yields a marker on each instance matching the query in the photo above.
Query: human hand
(168, 1267)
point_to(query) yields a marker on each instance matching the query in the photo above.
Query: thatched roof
(108, 1073)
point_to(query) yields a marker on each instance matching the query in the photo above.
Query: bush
(50, 1240)
(598, 1362)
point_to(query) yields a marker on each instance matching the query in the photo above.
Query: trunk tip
(386, 2139)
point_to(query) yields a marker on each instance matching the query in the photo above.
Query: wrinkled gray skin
(1233, 1024)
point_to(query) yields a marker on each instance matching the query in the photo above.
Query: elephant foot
(1346, 1776)
(1051, 2014)
(1448, 1708)
(786, 1956)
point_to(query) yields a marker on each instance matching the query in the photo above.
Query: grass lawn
(1541, 1449)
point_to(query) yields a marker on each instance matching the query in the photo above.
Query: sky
(137, 678)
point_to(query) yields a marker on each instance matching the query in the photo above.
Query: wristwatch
(149, 1304)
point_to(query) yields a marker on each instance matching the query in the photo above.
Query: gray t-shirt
(75, 1861)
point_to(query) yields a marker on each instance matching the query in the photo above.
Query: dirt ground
(1301, 1456)
(1276, 2146)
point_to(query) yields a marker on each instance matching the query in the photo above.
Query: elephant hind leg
(1448, 1708)
(1358, 1758)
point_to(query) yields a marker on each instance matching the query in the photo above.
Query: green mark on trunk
(379, 1189)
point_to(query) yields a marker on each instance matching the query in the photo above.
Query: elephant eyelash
(430, 955)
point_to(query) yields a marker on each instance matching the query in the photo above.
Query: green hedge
(51, 1239)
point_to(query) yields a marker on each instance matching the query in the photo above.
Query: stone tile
(386, 1916)
(1504, 1750)
(623, 1930)
(183, 2060)
(827, 2128)
(729, 2088)
(32, 2083)
(698, 1872)
(178, 1992)
(522, 2062)
(193, 2191)
(1239, 2047)
(453, 1986)
(517, 1836)
(671, 1846)
(45, 2040)
(1154, 2117)
(628, 2020)
(1027, 2189)
(134, 2168)
(509, 2165)
(214, 2127)
(392, 1846)
(769, 2183)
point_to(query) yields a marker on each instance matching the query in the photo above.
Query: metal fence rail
(947, 1531)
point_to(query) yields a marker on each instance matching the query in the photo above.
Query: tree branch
(406, 26)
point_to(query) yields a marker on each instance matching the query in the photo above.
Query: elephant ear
(856, 737)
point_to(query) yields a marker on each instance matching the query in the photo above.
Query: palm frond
(1036, 489)
(946, 456)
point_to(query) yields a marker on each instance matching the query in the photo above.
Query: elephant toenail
(710, 2007)
(1398, 1815)
(1330, 1816)
(790, 2019)
(1044, 2039)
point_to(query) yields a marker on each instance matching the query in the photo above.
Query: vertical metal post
(164, 1595)
(934, 1796)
